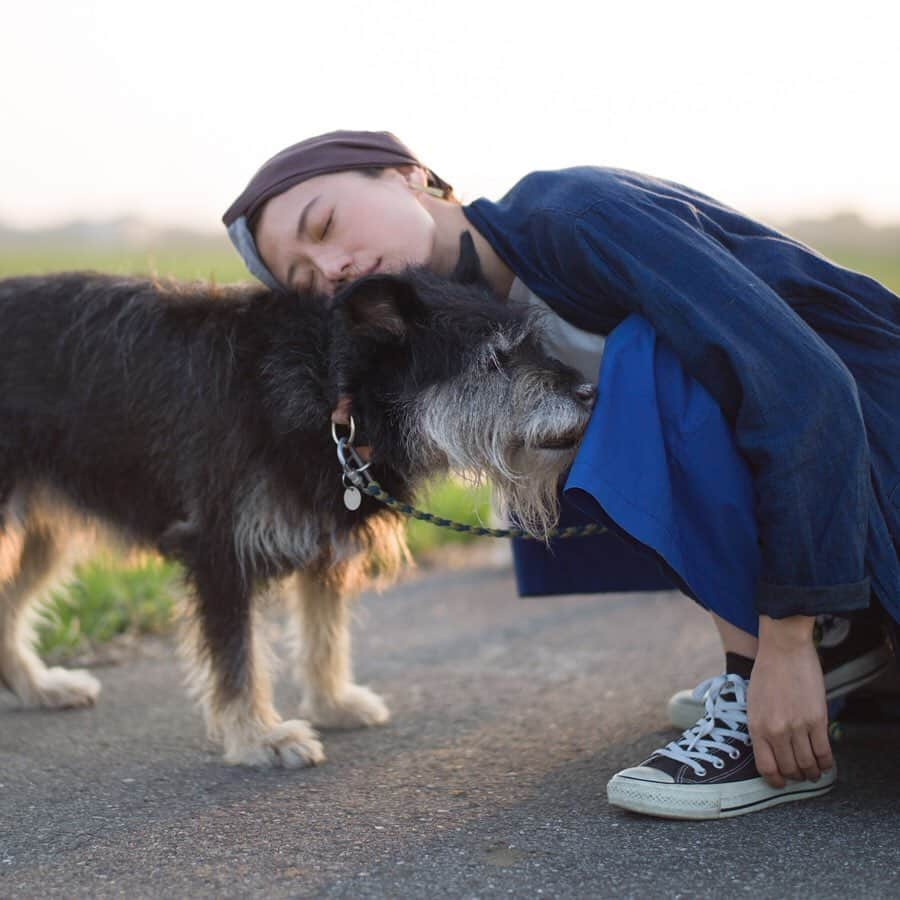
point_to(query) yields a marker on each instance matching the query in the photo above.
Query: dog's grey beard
(490, 426)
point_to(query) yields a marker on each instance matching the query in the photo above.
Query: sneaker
(710, 771)
(852, 651)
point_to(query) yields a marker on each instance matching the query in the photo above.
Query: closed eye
(312, 276)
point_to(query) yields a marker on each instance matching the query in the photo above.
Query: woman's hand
(786, 711)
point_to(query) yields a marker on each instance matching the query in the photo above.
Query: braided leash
(356, 479)
(374, 489)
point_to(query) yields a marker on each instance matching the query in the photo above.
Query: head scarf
(337, 151)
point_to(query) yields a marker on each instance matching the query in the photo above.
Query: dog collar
(341, 416)
(354, 469)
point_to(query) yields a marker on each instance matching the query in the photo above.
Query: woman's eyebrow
(301, 227)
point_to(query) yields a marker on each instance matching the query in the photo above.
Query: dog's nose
(586, 392)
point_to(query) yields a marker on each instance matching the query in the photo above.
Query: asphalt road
(509, 717)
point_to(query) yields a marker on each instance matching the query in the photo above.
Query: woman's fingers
(784, 756)
(766, 764)
(821, 747)
(803, 754)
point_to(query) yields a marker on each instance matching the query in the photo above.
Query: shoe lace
(724, 718)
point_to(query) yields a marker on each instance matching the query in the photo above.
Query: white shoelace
(703, 741)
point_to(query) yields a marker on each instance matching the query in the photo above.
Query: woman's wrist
(788, 633)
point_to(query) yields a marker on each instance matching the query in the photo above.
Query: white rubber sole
(684, 711)
(709, 801)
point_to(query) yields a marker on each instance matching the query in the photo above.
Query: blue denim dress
(800, 357)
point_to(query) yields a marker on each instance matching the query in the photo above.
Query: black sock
(735, 664)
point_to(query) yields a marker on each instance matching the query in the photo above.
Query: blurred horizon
(843, 227)
(134, 228)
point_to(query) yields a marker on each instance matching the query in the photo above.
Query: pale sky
(165, 109)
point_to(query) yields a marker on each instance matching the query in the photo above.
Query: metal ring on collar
(353, 468)
(352, 432)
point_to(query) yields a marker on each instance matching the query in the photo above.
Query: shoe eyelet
(719, 764)
(734, 754)
(700, 772)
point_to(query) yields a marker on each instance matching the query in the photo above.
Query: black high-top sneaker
(853, 651)
(710, 771)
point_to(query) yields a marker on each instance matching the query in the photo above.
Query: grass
(450, 499)
(110, 596)
(221, 265)
(885, 269)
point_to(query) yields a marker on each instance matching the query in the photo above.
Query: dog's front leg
(331, 699)
(230, 675)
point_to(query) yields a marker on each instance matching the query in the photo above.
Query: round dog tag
(352, 498)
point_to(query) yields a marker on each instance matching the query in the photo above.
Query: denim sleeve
(791, 402)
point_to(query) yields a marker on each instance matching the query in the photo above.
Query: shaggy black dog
(197, 420)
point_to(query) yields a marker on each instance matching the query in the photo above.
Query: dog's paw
(357, 707)
(62, 689)
(289, 745)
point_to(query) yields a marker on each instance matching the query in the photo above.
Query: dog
(196, 420)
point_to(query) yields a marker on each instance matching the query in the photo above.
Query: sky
(164, 110)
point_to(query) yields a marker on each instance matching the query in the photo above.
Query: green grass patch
(193, 263)
(450, 499)
(110, 596)
(881, 267)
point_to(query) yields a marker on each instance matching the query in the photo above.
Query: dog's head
(443, 375)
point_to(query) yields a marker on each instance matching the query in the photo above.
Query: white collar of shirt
(579, 349)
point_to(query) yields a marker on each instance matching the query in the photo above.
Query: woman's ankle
(734, 639)
(736, 664)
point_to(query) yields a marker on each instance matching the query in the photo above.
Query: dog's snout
(586, 392)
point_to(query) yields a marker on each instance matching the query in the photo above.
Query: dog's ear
(468, 266)
(382, 307)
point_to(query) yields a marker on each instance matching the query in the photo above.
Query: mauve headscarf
(336, 151)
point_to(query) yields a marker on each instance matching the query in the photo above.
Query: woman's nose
(335, 267)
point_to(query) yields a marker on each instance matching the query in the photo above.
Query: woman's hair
(375, 172)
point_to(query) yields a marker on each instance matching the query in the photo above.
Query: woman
(742, 343)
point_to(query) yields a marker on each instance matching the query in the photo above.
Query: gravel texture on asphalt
(509, 717)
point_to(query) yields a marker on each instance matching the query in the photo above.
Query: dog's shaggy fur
(197, 420)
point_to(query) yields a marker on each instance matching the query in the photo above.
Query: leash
(357, 480)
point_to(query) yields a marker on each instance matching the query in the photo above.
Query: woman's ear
(415, 175)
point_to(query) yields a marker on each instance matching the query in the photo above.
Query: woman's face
(332, 229)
